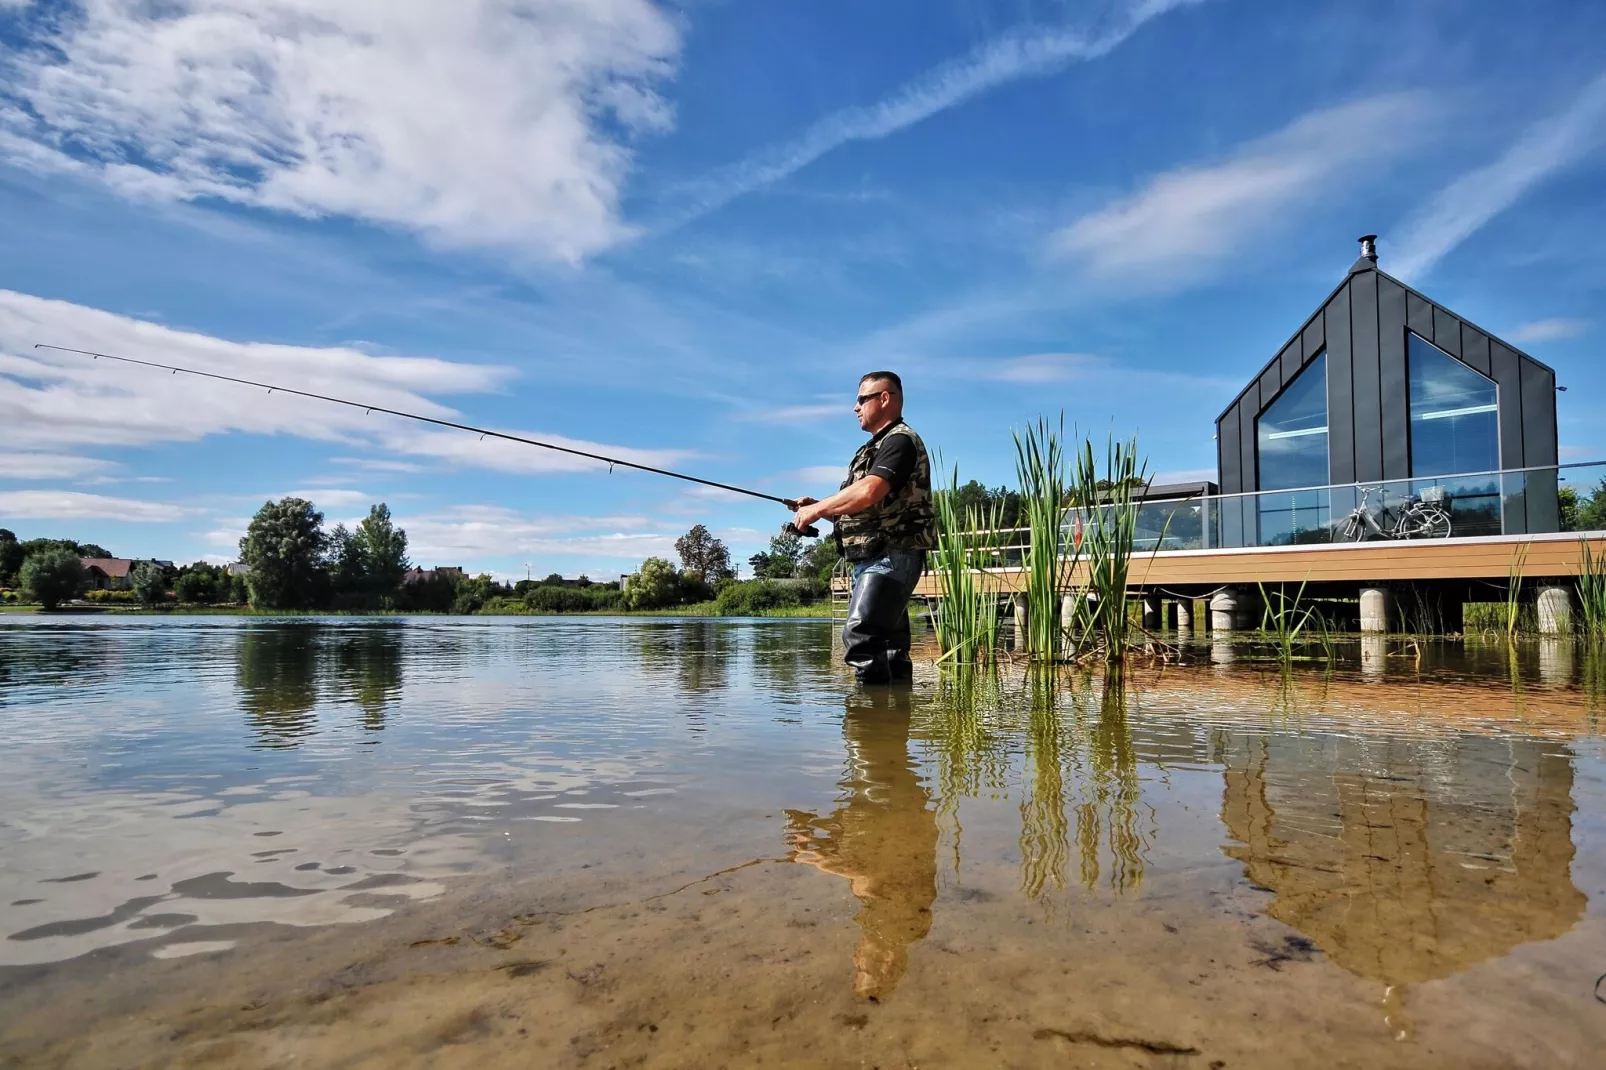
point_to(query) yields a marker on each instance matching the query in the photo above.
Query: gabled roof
(114, 567)
(1365, 264)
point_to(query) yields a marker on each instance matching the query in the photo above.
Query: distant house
(239, 568)
(424, 575)
(107, 573)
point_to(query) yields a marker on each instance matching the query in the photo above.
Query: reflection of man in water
(882, 838)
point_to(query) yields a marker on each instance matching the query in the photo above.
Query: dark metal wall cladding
(1362, 328)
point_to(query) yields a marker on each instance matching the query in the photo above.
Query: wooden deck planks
(1368, 562)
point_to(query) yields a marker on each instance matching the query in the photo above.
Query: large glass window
(1455, 428)
(1291, 437)
(1454, 414)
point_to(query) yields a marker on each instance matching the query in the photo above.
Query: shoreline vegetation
(815, 611)
(290, 565)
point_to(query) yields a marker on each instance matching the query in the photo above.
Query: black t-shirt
(895, 461)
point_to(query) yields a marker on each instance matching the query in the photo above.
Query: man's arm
(851, 499)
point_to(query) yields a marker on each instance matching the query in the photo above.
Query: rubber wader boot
(877, 633)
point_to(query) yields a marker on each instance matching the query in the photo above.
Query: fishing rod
(483, 432)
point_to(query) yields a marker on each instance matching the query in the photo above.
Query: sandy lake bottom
(599, 843)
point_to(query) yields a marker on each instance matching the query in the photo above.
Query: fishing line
(483, 432)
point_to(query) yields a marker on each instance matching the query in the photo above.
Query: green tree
(384, 553)
(704, 555)
(1592, 511)
(347, 564)
(79, 549)
(10, 557)
(51, 577)
(780, 561)
(819, 559)
(201, 583)
(473, 593)
(655, 585)
(284, 547)
(554, 580)
(149, 585)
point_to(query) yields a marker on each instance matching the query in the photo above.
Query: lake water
(594, 842)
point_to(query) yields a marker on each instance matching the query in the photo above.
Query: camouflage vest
(903, 520)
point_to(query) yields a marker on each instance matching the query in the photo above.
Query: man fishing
(884, 523)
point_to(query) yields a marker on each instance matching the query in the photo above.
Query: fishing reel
(810, 532)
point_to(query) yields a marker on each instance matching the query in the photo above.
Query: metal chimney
(1369, 247)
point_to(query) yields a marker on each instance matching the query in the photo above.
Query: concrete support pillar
(1555, 610)
(1221, 652)
(1151, 612)
(1376, 603)
(1022, 622)
(1224, 610)
(1184, 611)
(1067, 612)
(1374, 655)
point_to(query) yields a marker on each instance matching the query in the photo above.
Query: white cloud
(76, 505)
(800, 413)
(1027, 53)
(819, 473)
(1044, 367)
(1550, 330)
(50, 466)
(1187, 220)
(476, 122)
(54, 400)
(1478, 196)
(1184, 475)
(473, 533)
(326, 498)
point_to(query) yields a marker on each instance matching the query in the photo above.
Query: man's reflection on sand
(1406, 860)
(882, 838)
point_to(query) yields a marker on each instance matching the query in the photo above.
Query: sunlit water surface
(597, 841)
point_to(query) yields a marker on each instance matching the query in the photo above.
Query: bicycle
(1424, 516)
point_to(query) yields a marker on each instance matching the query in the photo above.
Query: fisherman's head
(880, 400)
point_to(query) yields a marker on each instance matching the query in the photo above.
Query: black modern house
(1380, 395)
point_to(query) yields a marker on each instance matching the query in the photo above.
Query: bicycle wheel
(1436, 525)
(1351, 530)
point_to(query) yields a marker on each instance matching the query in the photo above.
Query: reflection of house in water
(882, 838)
(1406, 859)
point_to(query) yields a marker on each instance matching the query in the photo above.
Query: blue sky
(680, 232)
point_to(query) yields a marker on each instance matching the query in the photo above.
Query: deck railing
(1464, 505)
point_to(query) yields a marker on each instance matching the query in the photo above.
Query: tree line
(293, 563)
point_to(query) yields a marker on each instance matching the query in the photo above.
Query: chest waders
(887, 545)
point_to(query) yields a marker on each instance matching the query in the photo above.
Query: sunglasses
(868, 397)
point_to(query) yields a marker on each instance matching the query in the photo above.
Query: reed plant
(1050, 556)
(1592, 593)
(1292, 625)
(1107, 514)
(967, 616)
(1512, 617)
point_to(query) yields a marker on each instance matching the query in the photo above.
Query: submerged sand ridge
(781, 870)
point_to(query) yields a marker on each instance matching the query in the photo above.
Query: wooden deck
(1196, 571)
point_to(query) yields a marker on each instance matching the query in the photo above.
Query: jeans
(876, 636)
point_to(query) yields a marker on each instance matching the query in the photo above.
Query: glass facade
(1455, 429)
(1291, 441)
(1454, 414)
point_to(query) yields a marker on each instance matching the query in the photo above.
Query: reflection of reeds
(1113, 761)
(1044, 830)
(969, 751)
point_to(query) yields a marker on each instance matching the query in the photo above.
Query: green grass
(1592, 593)
(967, 617)
(1041, 471)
